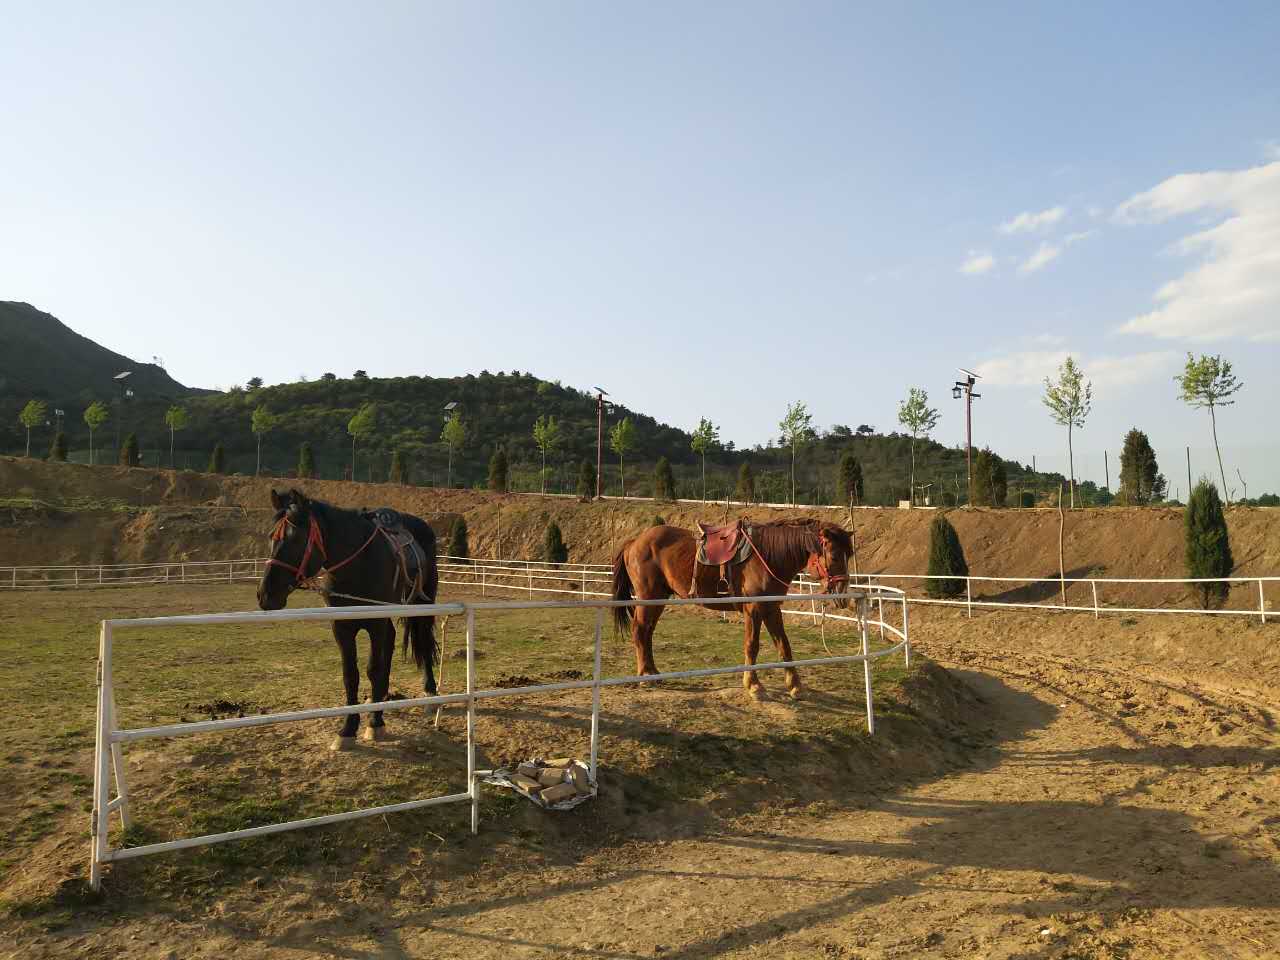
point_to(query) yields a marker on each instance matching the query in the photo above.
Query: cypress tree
(1208, 545)
(58, 451)
(999, 482)
(980, 495)
(746, 491)
(664, 482)
(946, 560)
(586, 480)
(306, 461)
(398, 472)
(458, 546)
(553, 545)
(498, 471)
(217, 460)
(1140, 480)
(129, 456)
(850, 478)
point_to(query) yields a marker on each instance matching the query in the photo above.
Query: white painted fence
(108, 752)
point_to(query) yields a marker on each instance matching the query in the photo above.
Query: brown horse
(660, 563)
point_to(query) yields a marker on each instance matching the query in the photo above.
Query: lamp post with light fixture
(601, 393)
(965, 388)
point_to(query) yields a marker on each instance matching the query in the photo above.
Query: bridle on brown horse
(820, 566)
(315, 542)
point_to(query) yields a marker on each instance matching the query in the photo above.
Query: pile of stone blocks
(550, 783)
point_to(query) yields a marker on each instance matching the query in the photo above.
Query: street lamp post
(449, 407)
(601, 393)
(120, 378)
(965, 388)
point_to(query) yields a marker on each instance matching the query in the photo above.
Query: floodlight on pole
(449, 407)
(601, 393)
(964, 388)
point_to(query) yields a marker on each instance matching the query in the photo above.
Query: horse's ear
(299, 497)
(277, 502)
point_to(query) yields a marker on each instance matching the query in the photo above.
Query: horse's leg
(344, 632)
(773, 621)
(750, 648)
(646, 618)
(382, 642)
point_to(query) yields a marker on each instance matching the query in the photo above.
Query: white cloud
(1028, 368)
(978, 262)
(1234, 289)
(1048, 252)
(1027, 221)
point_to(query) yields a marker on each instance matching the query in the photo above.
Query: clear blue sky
(839, 201)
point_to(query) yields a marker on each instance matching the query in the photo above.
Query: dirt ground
(1103, 789)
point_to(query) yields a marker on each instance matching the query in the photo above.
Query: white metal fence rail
(109, 759)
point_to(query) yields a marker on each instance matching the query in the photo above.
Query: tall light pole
(120, 378)
(449, 407)
(601, 393)
(965, 388)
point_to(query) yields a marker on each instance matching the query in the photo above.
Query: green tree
(217, 460)
(850, 478)
(746, 491)
(797, 430)
(255, 383)
(1069, 400)
(33, 415)
(399, 471)
(306, 461)
(361, 426)
(586, 480)
(498, 471)
(982, 493)
(705, 438)
(947, 566)
(129, 456)
(1207, 382)
(1208, 545)
(919, 418)
(458, 545)
(999, 482)
(453, 435)
(621, 439)
(175, 419)
(261, 423)
(1140, 480)
(664, 483)
(658, 521)
(58, 451)
(546, 434)
(95, 415)
(554, 549)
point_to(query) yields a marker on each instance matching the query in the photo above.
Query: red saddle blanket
(726, 543)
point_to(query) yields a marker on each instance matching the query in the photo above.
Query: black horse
(351, 560)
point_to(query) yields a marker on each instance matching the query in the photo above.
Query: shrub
(458, 546)
(586, 480)
(58, 451)
(850, 479)
(399, 471)
(746, 491)
(217, 460)
(658, 521)
(306, 461)
(1208, 545)
(946, 560)
(664, 481)
(554, 549)
(498, 469)
(129, 456)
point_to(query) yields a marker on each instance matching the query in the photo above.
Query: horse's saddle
(411, 559)
(727, 543)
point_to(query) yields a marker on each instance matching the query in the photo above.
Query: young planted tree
(453, 435)
(999, 482)
(546, 434)
(33, 415)
(218, 460)
(919, 418)
(705, 438)
(306, 461)
(1208, 382)
(586, 480)
(621, 439)
(850, 478)
(261, 423)
(664, 482)
(981, 494)
(129, 456)
(398, 471)
(458, 545)
(797, 430)
(58, 450)
(175, 418)
(746, 491)
(361, 426)
(1140, 480)
(554, 549)
(1069, 400)
(947, 566)
(498, 470)
(95, 415)
(1208, 545)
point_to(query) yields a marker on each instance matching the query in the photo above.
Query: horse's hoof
(796, 693)
(341, 744)
(376, 733)
(757, 693)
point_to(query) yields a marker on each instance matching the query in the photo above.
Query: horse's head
(829, 561)
(297, 549)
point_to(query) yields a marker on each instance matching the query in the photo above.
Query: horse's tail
(420, 632)
(622, 588)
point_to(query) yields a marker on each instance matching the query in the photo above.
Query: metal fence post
(968, 596)
(101, 770)
(473, 785)
(1094, 584)
(1262, 603)
(595, 696)
(866, 665)
(906, 636)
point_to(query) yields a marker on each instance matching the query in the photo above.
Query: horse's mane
(791, 541)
